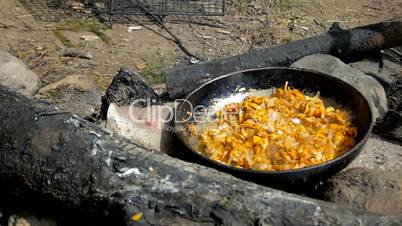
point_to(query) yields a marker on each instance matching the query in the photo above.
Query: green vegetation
(102, 81)
(152, 75)
(156, 79)
(80, 25)
(63, 39)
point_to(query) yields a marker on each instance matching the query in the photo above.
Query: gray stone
(391, 126)
(367, 85)
(393, 53)
(78, 94)
(388, 73)
(390, 76)
(15, 74)
(374, 190)
(379, 154)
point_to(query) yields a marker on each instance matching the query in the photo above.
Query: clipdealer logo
(146, 111)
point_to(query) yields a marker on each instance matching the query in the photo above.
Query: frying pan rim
(291, 171)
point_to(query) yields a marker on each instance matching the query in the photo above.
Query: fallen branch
(199, 22)
(372, 7)
(3, 25)
(82, 166)
(75, 53)
(178, 42)
(345, 44)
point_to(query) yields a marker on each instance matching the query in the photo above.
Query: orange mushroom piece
(287, 130)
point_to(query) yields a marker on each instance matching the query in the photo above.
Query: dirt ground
(248, 24)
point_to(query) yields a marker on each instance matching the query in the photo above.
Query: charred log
(81, 165)
(345, 44)
(126, 87)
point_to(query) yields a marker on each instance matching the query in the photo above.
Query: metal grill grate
(168, 7)
(55, 10)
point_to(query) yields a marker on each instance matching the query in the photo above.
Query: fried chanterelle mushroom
(287, 130)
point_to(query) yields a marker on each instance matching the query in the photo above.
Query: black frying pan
(266, 78)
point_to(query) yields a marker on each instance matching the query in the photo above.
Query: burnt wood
(126, 87)
(345, 44)
(80, 165)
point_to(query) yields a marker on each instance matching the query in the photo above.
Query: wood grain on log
(338, 42)
(83, 166)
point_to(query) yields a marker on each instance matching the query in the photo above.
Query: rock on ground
(379, 154)
(389, 72)
(78, 94)
(371, 189)
(15, 74)
(391, 125)
(390, 76)
(367, 85)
